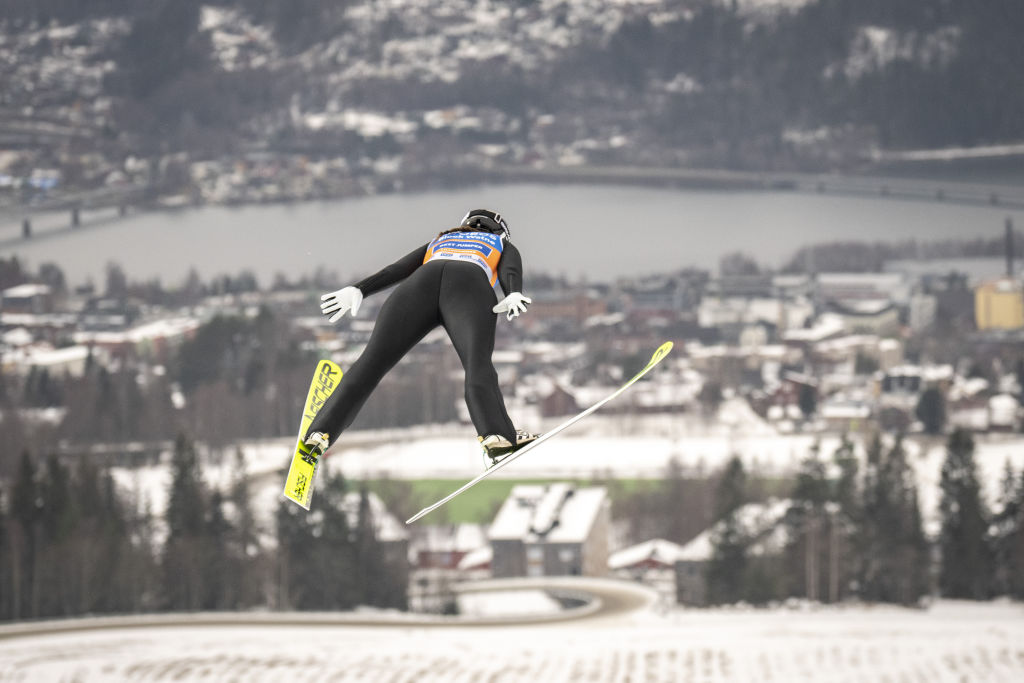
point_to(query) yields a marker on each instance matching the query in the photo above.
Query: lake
(593, 232)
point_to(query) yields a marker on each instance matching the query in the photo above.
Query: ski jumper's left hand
(513, 305)
(341, 302)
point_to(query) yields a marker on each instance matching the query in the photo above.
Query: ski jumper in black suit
(439, 286)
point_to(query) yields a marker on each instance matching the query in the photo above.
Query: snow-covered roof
(158, 329)
(843, 411)
(1003, 409)
(26, 291)
(19, 336)
(657, 550)
(827, 325)
(48, 357)
(929, 373)
(481, 557)
(756, 520)
(552, 513)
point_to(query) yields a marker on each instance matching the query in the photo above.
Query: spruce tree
(218, 558)
(966, 570)
(889, 542)
(728, 563)
(335, 559)
(1008, 535)
(806, 519)
(246, 556)
(184, 550)
(907, 548)
(25, 518)
(931, 410)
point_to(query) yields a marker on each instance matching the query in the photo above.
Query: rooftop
(551, 513)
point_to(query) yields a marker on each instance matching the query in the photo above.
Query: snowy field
(949, 642)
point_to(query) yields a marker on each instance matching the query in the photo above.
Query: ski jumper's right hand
(341, 302)
(513, 305)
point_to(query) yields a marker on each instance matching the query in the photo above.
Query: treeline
(848, 526)
(72, 544)
(858, 534)
(871, 257)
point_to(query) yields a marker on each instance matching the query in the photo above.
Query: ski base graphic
(655, 359)
(298, 486)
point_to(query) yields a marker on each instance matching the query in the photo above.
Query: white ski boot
(318, 443)
(497, 447)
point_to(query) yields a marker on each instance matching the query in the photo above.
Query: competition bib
(481, 248)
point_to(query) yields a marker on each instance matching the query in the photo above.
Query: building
(27, 298)
(441, 555)
(878, 316)
(551, 530)
(849, 287)
(999, 305)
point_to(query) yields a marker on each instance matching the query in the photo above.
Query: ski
(655, 359)
(298, 486)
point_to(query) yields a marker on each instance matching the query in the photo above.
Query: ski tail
(659, 354)
(298, 486)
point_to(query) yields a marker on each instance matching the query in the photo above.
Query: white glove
(512, 305)
(340, 302)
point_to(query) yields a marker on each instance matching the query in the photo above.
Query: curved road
(600, 598)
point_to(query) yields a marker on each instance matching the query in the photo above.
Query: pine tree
(5, 562)
(966, 557)
(335, 559)
(889, 541)
(218, 558)
(184, 550)
(57, 525)
(1008, 536)
(728, 563)
(807, 399)
(907, 548)
(25, 518)
(247, 559)
(807, 551)
(931, 410)
(847, 488)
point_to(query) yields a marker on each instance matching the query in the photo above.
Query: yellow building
(999, 305)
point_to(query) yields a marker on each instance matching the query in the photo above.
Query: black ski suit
(455, 294)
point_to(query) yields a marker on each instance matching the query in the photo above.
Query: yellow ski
(298, 487)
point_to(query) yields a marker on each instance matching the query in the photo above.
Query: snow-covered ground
(949, 642)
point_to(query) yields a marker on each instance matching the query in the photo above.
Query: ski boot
(317, 443)
(497, 447)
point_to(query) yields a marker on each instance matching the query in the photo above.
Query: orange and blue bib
(482, 248)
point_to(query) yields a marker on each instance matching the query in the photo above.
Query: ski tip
(660, 353)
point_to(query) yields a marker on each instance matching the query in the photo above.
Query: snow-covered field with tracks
(950, 641)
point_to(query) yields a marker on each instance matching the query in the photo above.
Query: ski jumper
(447, 282)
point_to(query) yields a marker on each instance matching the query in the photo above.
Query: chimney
(1009, 247)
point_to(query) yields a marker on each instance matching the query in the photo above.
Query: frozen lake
(597, 233)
